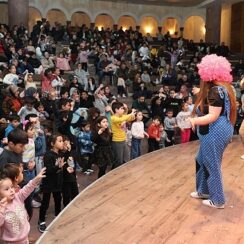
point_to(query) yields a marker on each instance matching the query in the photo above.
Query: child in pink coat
(14, 223)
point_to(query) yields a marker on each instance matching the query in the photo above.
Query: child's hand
(3, 204)
(157, 139)
(146, 134)
(70, 170)
(61, 162)
(108, 108)
(41, 175)
(31, 165)
(5, 140)
(101, 131)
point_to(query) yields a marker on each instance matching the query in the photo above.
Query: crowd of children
(77, 122)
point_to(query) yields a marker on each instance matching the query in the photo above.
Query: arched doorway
(105, 21)
(149, 25)
(79, 19)
(171, 25)
(194, 28)
(126, 22)
(56, 15)
(34, 16)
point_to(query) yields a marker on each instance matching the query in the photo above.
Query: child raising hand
(14, 223)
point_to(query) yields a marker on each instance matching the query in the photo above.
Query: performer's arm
(209, 118)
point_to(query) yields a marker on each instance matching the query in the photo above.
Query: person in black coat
(53, 181)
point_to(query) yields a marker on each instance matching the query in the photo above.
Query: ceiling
(176, 3)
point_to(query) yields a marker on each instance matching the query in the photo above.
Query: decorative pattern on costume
(16, 218)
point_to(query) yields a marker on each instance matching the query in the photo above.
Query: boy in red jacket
(154, 134)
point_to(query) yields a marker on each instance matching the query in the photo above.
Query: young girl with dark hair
(54, 179)
(103, 152)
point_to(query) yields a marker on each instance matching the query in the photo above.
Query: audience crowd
(74, 97)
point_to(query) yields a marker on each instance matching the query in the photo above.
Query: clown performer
(214, 115)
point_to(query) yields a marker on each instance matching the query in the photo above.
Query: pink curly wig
(215, 68)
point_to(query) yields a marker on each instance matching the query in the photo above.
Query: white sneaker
(242, 156)
(35, 204)
(90, 170)
(87, 173)
(198, 195)
(118, 96)
(210, 204)
(124, 95)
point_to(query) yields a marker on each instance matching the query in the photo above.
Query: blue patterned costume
(209, 157)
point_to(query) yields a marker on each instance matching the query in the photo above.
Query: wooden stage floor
(147, 201)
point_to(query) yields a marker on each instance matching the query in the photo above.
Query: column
(213, 22)
(18, 12)
(237, 27)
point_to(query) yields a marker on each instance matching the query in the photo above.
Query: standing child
(103, 154)
(239, 117)
(12, 208)
(154, 134)
(85, 145)
(183, 122)
(163, 137)
(170, 125)
(70, 187)
(138, 133)
(118, 126)
(29, 164)
(53, 181)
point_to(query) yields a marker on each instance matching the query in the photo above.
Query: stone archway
(80, 18)
(34, 16)
(126, 22)
(149, 25)
(171, 25)
(56, 16)
(194, 28)
(105, 21)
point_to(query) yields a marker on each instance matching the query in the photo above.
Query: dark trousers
(84, 66)
(135, 148)
(102, 171)
(45, 204)
(121, 90)
(70, 191)
(170, 135)
(237, 129)
(28, 205)
(153, 144)
(86, 161)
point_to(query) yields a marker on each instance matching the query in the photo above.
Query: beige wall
(34, 15)
(171, 25)
(79, 19)
(55, 15)
(225, 30)
(104, 21)
(126, 22)
(194, 29)
(149, 25)
(4, 13)
(141, 15)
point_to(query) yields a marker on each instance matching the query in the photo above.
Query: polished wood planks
(147, 201)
